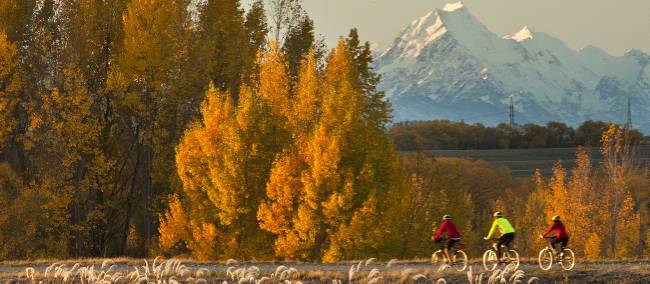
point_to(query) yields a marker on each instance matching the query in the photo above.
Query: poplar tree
(9, 87)
(145, 81)
(224, 46)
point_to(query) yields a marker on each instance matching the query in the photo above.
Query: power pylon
(512, 113)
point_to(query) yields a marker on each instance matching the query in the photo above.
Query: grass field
(523, 162)
(366, 271)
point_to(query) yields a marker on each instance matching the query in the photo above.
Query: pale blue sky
(613, 25)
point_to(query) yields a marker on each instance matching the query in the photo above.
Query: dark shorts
(451, 242)
(562, 241)
(505, 239)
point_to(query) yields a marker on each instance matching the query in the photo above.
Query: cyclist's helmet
(446, 217)
(556, 218)
(498, 214)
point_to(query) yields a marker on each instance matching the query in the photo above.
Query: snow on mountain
(448, 65)
(521, 35)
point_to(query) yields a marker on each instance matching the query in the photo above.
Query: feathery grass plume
(418, 277)
(230, 272)
(533, 280)
(29, 273)
(49, 268)
(443, 267)
(390, 262)
(278, 271)
(75, 266)
(373, 273)
(517, 276)
(182, 270)
(351, 274)
(293, 273)
(154, 261)
(472, 280)
(370, 260)
(406, 272)
(262, 280)
(201, 281)
(493, 279)
(359, 266)
(441, 281)
(147, 272)
(231, 261)
(168, 266)
(106, 262)
(201, 272)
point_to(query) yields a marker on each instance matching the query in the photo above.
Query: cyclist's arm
(494, 227)
(551, 229)
(440, 231)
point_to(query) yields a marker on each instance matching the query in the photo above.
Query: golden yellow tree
(290, 212)
(534, 218)
(149, 104)
(556, 198)
(581, 202)
(617, 210)
(9, 86)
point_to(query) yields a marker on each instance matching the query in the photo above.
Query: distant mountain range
(448, 65)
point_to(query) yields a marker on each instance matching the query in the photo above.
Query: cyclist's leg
(563, 244)
(511, 237)
(502, 240)
(449, 243)
(554, 242)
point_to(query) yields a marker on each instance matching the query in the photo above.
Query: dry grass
(370, 271)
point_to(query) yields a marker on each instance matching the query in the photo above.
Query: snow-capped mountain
(448, 65)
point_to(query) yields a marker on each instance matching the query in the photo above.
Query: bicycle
(509, 256)
(547, 256)
(459, 259)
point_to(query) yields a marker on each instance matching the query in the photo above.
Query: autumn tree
(15, 18)
(224, 47)
(284, 15)
(618, 212)
(238, 144)
(9, 87)
(145, 83)
(299, 41)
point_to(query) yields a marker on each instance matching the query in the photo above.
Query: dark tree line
(445, 134)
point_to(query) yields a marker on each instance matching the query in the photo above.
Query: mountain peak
(522, 35)
(451, 7)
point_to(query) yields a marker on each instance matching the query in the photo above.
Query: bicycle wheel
(513, 258)
(490, 260)
(545, 259)
(459, 260)
(437, 258)
(568, 260)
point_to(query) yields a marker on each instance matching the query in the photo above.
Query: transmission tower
(512, 113)
(629, 114)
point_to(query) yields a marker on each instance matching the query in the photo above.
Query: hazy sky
(613, 25)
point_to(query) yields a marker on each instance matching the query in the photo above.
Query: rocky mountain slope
(448, 65)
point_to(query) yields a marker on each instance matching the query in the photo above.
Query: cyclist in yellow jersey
(506, 230)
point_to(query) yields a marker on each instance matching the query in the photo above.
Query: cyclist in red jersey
(561, 237)
(453, 236)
